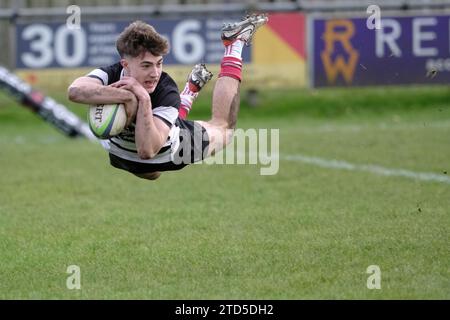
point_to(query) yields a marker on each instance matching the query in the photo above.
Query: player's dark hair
(140, 37)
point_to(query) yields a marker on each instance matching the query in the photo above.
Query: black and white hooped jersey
(165, 103)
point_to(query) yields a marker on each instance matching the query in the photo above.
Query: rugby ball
(107, 120)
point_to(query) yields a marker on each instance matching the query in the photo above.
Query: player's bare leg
(226, 99)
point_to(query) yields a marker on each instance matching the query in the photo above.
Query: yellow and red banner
(279, 52)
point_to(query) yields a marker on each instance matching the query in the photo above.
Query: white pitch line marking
(344, 165)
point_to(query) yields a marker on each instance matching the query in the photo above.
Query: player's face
(146, 69)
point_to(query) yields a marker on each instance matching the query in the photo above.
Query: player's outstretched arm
(151, 132)
(89, 90)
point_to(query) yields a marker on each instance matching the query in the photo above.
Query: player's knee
(228, 136)
(148, 175)
(232, 124)
(219, 133)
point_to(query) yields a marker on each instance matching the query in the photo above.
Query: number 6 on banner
(184, 38)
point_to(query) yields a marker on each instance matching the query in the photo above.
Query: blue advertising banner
(405, 50)
(55, 45)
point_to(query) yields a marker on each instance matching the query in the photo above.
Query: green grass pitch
(225, 231)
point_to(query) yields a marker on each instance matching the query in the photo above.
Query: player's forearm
(98, 94)
(149, 139)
